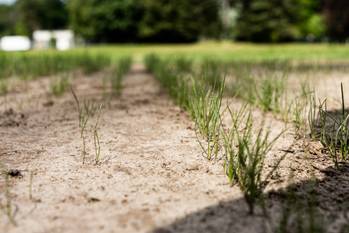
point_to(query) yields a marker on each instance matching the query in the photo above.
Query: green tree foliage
(180, 20)
(337, 19)
(40, 14)
(311, 23)
(7, 20)
(105, 20)
(144, 20)
(273, 20)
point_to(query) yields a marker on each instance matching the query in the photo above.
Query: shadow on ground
(312, 206)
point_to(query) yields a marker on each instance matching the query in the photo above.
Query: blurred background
(174, 21)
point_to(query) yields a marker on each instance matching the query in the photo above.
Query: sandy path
(153, 178)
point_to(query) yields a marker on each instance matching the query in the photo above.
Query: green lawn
(226, 51)
(234, 51)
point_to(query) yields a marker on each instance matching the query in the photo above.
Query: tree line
(107, 21)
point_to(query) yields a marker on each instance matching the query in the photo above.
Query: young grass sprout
(96, 137)
(205, 106)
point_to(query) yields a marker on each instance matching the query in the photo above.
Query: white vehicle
(15, 43)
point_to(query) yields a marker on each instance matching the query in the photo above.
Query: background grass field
(226, 51)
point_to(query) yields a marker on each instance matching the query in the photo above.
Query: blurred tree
(144, 20)
(105, 20)
(40, 14)
(272, 20)
(311, 23)
(337, 19)
(7, 20)
(180, 20)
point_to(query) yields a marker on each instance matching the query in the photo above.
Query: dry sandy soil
(152, 177)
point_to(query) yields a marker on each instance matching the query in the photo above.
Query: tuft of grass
(118, 72)
(86, 111)
(245, 153)
(301, 107)
(332, 130)
(3, 87)
(262, 87)
(270, 94)
(60, 84)
(213, 72)
(205, 108)
(183, 64)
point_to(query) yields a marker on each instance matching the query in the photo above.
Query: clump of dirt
(10, 118)
(14, 173)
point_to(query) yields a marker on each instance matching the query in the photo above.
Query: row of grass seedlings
(191, 94)
(6, 203)
(33, 65)
(60, 84)
(194, 95)
(245, 153)
(118, 72)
